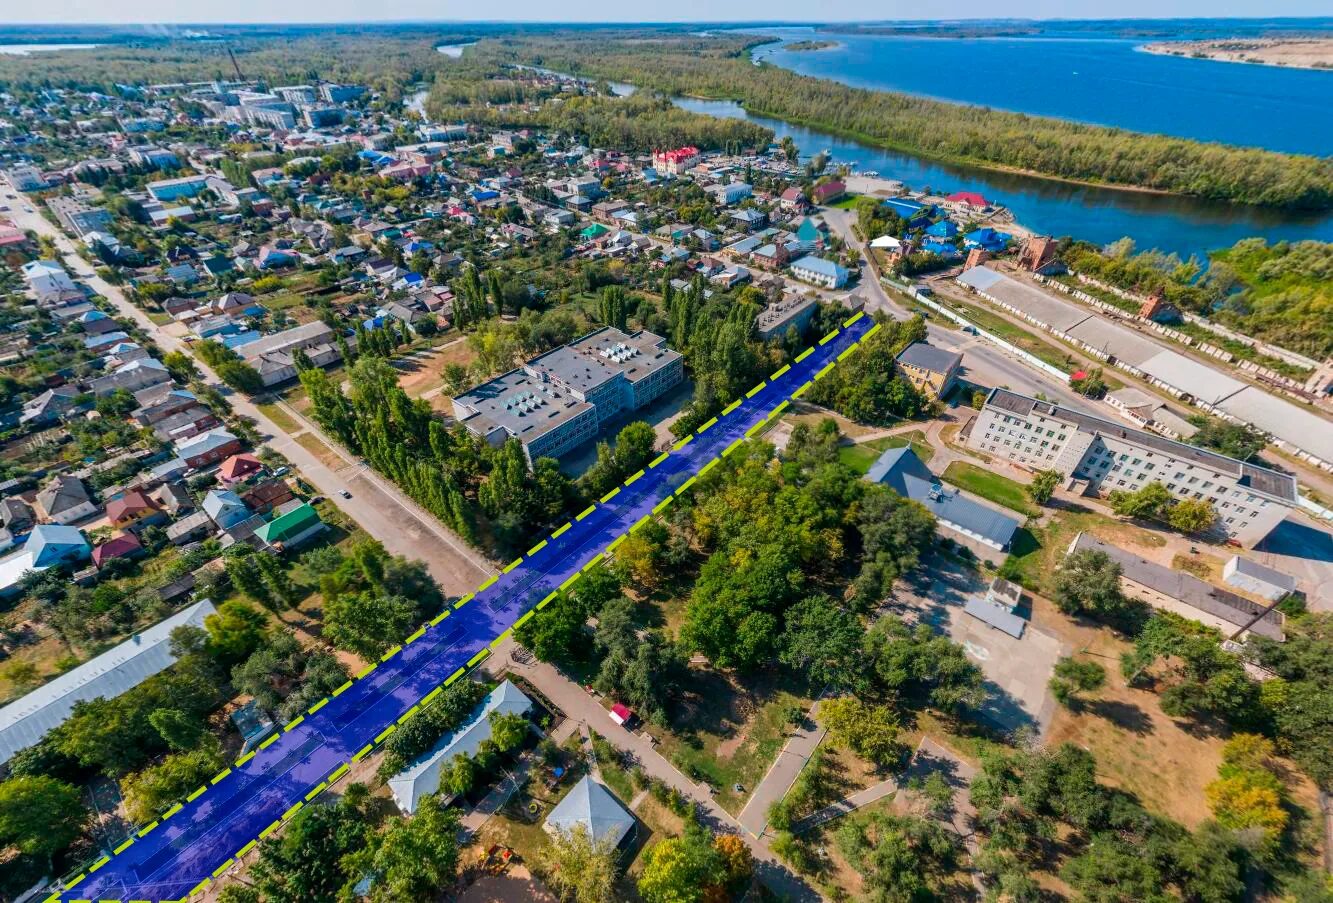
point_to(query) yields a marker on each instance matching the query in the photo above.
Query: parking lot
(1016, 670)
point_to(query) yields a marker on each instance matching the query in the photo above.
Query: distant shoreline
(1286, 53)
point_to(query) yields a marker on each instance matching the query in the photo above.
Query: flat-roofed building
(1257, 578)
(558, 401)
(1184, 594)
(1039, 435)
(78, 217)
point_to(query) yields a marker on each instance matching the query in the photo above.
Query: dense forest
(638, 123)
(719, 67)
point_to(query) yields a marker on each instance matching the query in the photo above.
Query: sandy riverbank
(1293, 53)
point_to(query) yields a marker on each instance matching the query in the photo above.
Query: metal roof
(423, 775)
(902, 471)
(25, 721)
(590, 804)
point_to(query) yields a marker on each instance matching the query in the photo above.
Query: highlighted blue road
(195, 843)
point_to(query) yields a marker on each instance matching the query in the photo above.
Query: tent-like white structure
(590, 804)
(27, 720)
(423, 775)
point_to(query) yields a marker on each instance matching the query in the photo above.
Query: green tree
(682, 869)
(1192, 516)
(1088, 582)
(368, 623)
(578, 869)
(179, 730)
(235, 631)
(39, 815)
(508, 731)
(1043, 485)
(306, 861)
(612, 307)
(821, 640)
(150, 792)
(1152, 502)
(414, 858)
(1072, 677)
(870, 731)
(900, 858)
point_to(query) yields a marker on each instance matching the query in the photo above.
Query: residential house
(122, 545)
(65, 500)
(48, 546)
(50, 406)
(289, 530)
(131, 377)
(829, 192)
(239, 468)
(267, 495)
(133, 509)
(273, 356)
(225, 508)
(16, 515)
(818, 271)
(207, 448)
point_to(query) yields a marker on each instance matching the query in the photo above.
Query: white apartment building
(1038, 435)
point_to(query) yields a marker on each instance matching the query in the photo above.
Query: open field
(862, 455)
(992, 486)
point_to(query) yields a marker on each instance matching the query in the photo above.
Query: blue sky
(162, 11)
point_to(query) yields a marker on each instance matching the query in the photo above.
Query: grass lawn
(281, 418)
(327, 456)
(847, 203)
(998, 489)
(729, 735)
(1037, 550)
(861, 456)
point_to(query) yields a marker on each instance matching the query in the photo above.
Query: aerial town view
(692, 455)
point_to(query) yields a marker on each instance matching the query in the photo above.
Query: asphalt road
(199, 842)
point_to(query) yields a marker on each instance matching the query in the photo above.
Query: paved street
(783, 773)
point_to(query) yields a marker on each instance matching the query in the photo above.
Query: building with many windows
(559, 400)
(1106, 456)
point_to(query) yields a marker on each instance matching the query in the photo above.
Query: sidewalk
(785, 770)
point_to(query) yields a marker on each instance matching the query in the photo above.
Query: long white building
(1038, 435)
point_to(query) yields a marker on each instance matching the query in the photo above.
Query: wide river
(1103, 79)
(1101, 215)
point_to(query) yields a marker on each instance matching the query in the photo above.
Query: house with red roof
(239, 467)
(122, 545)
(829, 192)
(968, 199)
(133, 508)
(675, 162)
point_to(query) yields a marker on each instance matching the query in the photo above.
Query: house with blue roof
(940, 249)
(943, 229)
(904, 207)
(48, 546)
(818, 271)
(987, 239)
(970, 520)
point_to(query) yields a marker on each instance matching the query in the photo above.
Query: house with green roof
(292, 528)
(594, 232)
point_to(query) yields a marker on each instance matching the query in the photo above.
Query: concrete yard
(1016, 670)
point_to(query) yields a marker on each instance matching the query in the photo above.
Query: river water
(1100, 215)
(1089, 76)
(1182, 225)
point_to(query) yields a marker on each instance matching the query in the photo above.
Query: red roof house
(124, 545)
(968, 199)
(238, 467)
(130, 508)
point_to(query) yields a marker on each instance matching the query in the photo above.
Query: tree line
(719, 67)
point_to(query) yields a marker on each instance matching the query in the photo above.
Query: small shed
(1259, 579)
